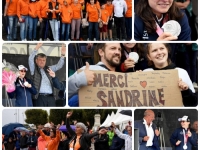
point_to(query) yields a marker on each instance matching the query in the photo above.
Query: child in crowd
(104, 19)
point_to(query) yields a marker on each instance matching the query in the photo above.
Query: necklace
(159, 20)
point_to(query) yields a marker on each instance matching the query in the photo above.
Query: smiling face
(22, 73)
(185, 124)
(160, 6)
(111, 55)
(79, 130)
(158, 54)
(92, 2)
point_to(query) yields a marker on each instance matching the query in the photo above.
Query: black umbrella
(126, 112)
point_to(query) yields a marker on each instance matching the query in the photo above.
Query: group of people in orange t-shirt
(57, 17)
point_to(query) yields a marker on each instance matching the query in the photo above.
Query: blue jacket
(23, 94)
(117, 143)
(62, 87)
(140, 34)
(142, 133)
(178, 135)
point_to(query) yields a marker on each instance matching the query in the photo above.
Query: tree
(81, 115)
(36, 116)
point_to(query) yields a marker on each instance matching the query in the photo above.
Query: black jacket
(85, 139)
(101, 142)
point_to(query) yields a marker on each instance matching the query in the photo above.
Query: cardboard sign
(137, 89)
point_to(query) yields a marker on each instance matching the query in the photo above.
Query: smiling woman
(157, 54)
(150, 17)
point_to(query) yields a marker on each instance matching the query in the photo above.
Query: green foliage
(81, 115)
(36, 116)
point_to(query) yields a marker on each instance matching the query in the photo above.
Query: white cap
(184, 118)
(21, 67)
(47, 125)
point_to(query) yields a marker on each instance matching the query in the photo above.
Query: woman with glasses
(24, 89)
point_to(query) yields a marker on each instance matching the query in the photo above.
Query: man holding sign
(110, 56)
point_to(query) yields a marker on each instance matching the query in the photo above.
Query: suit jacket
(142, 133)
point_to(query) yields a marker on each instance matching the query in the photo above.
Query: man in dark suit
(148, 134)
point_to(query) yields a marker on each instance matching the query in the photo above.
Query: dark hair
(54, 131)
(144, 11)
(42, 55)
(102, 46)
(168, 47)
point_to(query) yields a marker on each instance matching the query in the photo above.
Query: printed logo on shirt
(145, 35)
(181, 132)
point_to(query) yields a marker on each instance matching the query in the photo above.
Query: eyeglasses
(22, 70)
(183, 121)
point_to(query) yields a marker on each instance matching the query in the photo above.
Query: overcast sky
(14, 115)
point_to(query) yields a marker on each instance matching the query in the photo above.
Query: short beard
(112, 63)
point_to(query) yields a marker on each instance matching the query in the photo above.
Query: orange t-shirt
(93, 12)
(110, 9)
(57, 11)
(33, 9)
(77, 144)
(76, 8)
(12, 7)
(129, 8)
(22, 7)
(66, 14)
(51, 143)
(104, 15)
(42, 8)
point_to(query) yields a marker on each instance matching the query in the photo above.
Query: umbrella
(126, 112)
(8, 128)
(63, 127)
(21, 129)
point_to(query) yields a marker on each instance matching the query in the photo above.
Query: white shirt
(150, 133)
(120, 6)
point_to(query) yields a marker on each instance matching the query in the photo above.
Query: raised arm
(31, 62)
(60, 63)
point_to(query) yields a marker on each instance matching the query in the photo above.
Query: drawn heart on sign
(143, 83)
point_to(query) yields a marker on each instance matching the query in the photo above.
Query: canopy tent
(118, 119)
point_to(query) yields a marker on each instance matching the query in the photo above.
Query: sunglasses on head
(22, 70)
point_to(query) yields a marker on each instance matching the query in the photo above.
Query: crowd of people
(50, 137)
(39, 91)
(115, 57)
(66, 19)
(182, 138)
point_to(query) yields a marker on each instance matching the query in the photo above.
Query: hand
(69, 114)
(20, 19)
(166, 37)
(182, 85)
(40, 127)
(146, 138)
(29, 86)
(90, 75)
(113, 124)
(38, 46)
(51, 73)
(4, 14)
(88, 123)
(189, 133)
(99, 20)
(178, 142)
(58, 126)
(62, 122)
(40, 19)
(63, 50)
(103, 131)
(157, 132)
(129, 63)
